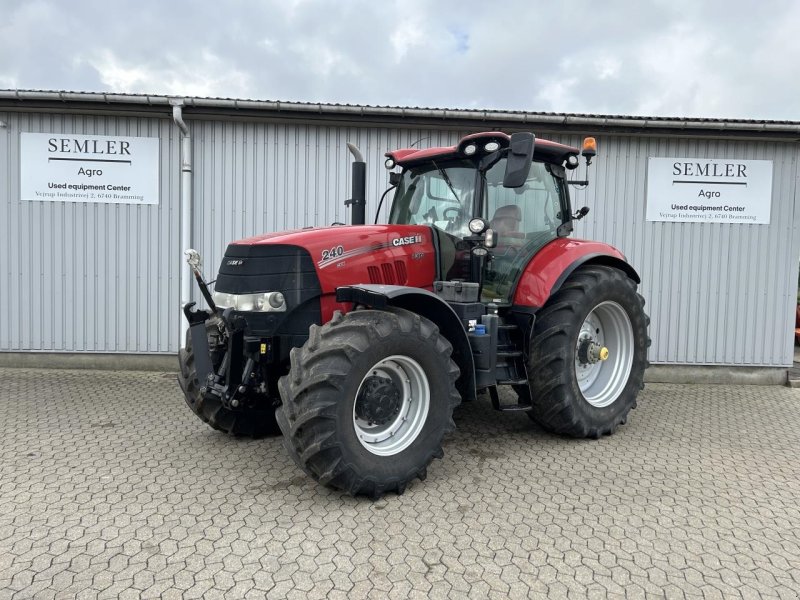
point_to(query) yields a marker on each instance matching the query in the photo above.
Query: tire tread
(306, 416)
(549, 365)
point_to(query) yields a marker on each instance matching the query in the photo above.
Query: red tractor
(358, 342)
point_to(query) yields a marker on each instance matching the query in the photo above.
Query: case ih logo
(405, 241)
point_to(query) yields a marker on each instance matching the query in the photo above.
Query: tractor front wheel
(588, 354)
(368, 399)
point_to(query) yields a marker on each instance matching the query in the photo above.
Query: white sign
(704, 190)
(70, 167)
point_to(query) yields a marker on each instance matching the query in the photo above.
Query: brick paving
(110, 487)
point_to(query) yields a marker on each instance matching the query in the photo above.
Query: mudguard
(428, 305)
(551, 266)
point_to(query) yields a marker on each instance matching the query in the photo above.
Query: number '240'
(332, 253)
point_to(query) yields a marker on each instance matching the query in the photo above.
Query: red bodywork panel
(543, 271)
(350, 255)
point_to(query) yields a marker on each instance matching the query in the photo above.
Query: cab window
(524, 212)
(524, 219)
(436, 194)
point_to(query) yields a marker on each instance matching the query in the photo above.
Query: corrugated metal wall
(88, 277)
(717, 293)
(106, 277)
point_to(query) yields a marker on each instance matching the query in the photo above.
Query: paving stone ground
(110, 487)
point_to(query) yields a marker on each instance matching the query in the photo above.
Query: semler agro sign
(63, 167)
(701, 190)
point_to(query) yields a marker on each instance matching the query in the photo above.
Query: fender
(428, 305)
(556, 261)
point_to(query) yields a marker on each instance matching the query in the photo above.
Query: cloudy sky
(734, 59)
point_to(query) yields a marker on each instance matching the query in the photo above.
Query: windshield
(436, 193)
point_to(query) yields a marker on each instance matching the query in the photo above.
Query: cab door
(524, 219)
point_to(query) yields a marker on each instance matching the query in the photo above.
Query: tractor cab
(493, 201)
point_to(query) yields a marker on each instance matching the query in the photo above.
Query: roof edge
(685, 124)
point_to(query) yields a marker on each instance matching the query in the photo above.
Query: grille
(374, 275)
(267, 268)
(388, 273)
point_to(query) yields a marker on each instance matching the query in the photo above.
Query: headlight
(276, 300)
(572, 161)
(262, 302)
(477, 226)
(224, 300)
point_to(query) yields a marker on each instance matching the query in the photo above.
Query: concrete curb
(716, 374)
(169, 363)
(90, 360)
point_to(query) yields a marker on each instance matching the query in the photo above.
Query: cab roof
(544, 150)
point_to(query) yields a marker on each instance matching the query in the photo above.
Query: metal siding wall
(716, 293)
(88, 277)
(106, 278)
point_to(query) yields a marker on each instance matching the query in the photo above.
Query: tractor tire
(570, 393)
(246, 422)
(368, 400)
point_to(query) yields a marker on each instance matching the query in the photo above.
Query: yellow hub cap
(603, 354)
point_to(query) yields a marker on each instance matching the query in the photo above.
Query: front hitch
(235, 374)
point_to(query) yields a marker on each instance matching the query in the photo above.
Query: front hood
(353, 254)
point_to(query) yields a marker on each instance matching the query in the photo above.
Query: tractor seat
(506, 222)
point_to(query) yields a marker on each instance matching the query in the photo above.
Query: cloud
(407, 35)
(206, 75)
(8, 82)
(672, 58)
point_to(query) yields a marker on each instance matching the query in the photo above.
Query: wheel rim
(602, 381)
(399, 432)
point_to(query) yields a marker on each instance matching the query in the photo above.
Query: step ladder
(511, 369)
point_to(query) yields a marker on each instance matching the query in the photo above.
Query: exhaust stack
(359, 193)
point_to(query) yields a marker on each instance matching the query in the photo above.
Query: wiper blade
(447, 181)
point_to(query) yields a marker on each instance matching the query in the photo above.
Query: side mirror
(520, 157)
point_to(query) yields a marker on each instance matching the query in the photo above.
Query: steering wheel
(453, 209)
(456, 220)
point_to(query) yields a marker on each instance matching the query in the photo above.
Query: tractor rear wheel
(368, 400)
(246, 422)
(588, 354)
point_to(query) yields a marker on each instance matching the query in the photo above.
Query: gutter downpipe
(186, 207)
